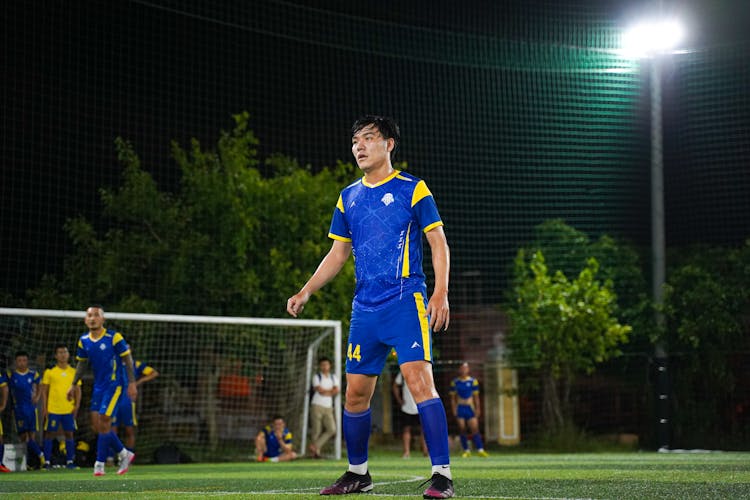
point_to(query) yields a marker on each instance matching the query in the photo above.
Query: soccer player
(466, 408)
(24, 389)
(274, 442)
(102, 349)
(408, 415)
(125, 415)
(326, 386)
(380, 219)
(58, 413)
(3, 403)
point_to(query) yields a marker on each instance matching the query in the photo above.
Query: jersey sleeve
(475, 386)
(288, 436)
(81, 353)
(425, 208)
(339, 227)
(453, 385)
(118, 343)
(3, 379)
(37, 378)
(47, 378)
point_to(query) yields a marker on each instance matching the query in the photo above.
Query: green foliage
(560, 326)
(227, 240)
(706, 305)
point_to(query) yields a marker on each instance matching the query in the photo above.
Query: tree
(228, 240)
(561, 327)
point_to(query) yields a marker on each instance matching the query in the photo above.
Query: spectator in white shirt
(325, 386)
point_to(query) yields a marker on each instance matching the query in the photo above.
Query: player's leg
(287, 456)
(477, 436)
(108, 438)
(406, 440)
(69, 428)
(49, 430)
(3, 468)
(26, 425)
(462, 435)
(260, 447)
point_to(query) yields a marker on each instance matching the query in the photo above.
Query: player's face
(22, 363)
(325, 366)
(62, 355)
(278, 425)
(464, 370)
(94, 318)
(370, 148)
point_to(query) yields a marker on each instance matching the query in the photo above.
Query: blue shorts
(403, 326)
(125, 414)
(105, 401)
(465, 411)
(26, 419)
(55, 420)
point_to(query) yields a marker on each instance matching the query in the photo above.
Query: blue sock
(2, 452)
(35, 449)
(464, 442)
(70, 450)
(478, 441)
(48, 449)
(115, 442)
(102, 447)
(357, 435)
(435, 428)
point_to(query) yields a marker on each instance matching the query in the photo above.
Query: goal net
(221, 379)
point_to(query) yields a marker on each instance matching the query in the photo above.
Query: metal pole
(658, 252)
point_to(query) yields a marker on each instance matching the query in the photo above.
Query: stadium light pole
(654, 41)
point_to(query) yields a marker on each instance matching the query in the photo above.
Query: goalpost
(221, 379)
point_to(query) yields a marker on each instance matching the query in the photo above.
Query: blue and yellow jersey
(103, 355)
(59, 381)
(384, 222)
(273, 447)
(22, 386)
(465, 388)
(142, 369)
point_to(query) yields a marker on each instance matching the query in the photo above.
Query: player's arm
(80, 368)
(45, 396)
(76, 399)
(438, 308)
(3, 396)
(328, 268)
(147, 376)
(477, 403)
(130, 369)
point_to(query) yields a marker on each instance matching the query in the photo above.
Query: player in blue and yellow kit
(103, 349)
(380, 219)
(24, 389)
(59, 413)
(3, 402)
(274, 442)
(125, 417)
(467, 408)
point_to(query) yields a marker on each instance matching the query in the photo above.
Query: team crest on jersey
(387, 199)
(102, 346)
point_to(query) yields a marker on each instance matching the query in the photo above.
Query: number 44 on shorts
(353, 354)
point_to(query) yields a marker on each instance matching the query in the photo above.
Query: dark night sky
(79, 74)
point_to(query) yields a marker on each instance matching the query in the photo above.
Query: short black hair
(21, 353)
(95, 306)
(277, 417)
(324, 358)
(60, 346)
(387, 127)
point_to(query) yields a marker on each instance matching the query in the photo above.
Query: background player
(24, 389)
(125, 416)
(274, 442)
(58, 412)
(408, 415)
(381, 219)
(3, 403)
(103, 349)
(467, 409)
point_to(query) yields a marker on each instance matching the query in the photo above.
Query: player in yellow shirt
(58, 412)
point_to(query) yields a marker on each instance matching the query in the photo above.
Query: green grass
(504, 475)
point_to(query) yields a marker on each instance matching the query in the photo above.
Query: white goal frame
(311, 363)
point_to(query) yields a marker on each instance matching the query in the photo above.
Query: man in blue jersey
(380, 219)
(3, 402)
(103, 349)
(24, 389)
(466, 407)
(125, 417)
(274, 442)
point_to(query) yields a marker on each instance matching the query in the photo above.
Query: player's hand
(71, 394)
(438, 310)
(132, 391)
(296, 303)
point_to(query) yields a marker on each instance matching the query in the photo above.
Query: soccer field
(505, 475)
